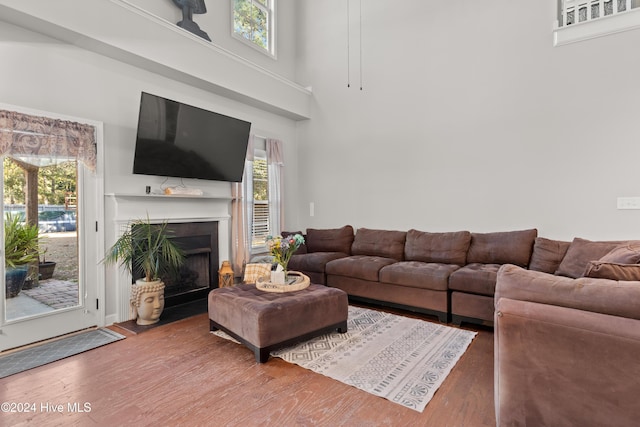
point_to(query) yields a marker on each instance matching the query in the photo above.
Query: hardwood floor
(181, 375)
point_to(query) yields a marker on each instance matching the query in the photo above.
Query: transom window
(253, 23)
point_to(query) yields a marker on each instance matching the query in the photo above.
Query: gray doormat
(51, 351)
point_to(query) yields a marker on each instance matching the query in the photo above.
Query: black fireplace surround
(198, 275)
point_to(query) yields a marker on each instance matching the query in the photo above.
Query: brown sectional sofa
(566, 314)
(452, 275)
(449, 274)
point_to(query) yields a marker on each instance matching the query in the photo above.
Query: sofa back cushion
(509, 247)
(302, 249)
(382, 243)
(330, 239)
(445, 248)
(547, 255)
(580, 253)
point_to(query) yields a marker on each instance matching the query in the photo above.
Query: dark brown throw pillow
(547, 255)
(613, 271)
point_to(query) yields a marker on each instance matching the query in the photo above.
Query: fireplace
(198, 275)
(191, 218)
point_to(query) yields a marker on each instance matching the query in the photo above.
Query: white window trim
(600, 27)
(272, 51)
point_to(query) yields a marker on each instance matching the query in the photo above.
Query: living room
(435, 116)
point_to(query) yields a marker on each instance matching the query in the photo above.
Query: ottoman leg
(342, 328)
(262, 355)
(212, 326)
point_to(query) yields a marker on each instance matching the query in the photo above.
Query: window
(253, 23)
(260, 226)
(585, 19)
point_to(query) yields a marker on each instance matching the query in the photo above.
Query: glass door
(57, 292)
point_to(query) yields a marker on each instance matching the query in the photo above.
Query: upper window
(584, 19)
(253, 23)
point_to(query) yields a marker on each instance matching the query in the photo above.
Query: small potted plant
(147, 247)
(46, 268)
(20, 249)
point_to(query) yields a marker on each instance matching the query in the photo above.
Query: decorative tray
(300, 282)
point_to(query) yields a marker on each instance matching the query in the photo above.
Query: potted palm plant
(20, 249)
(147, 247)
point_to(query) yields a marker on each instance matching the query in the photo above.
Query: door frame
(90, 253)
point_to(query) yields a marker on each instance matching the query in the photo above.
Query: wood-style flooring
(181, 375)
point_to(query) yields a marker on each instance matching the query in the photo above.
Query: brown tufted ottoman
(264, 321)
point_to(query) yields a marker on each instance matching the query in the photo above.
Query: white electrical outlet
(628, 202)
(312, 209)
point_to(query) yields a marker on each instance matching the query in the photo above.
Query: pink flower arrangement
(281, 248)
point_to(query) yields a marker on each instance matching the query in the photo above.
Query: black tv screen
(179, 140)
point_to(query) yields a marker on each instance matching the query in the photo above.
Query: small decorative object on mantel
(225, 275)
(189, 7)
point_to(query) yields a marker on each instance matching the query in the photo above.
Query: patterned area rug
(402, 359)
(51, 351)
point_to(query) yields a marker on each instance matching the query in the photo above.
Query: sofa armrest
(618, 298)
(558, 366)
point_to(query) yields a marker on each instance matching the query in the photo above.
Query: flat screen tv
(179, 140)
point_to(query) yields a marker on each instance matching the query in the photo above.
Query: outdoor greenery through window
(56, 183)
(260, 201)
(57, 200)
(253, 23)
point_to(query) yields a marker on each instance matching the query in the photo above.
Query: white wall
(468, 119)
(44, 74)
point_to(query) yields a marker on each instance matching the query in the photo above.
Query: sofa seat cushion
(313, 261)
(448, 248)
(509, 247)
(358, 266)
(418, 274)
(330, 239)
(475, 278)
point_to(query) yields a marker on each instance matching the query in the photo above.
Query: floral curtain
(43, 141)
